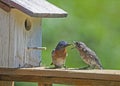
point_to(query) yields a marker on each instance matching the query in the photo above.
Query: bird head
(80, 45)
(62, 45)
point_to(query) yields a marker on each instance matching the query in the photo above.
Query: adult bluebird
(59, 54)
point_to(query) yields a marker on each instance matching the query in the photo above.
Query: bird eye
(76, 43)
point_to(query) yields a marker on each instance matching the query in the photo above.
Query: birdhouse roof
(36, 8)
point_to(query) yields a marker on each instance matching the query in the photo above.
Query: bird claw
(65, 67)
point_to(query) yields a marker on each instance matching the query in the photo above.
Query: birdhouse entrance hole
(27, 24)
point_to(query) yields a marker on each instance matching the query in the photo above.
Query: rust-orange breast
(59, 54)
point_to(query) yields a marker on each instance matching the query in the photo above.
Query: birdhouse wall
(14, 39)
(4, 38)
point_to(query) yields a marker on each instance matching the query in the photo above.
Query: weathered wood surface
(6, 83)
(4, 43)
(20, 39)
(15, 39)
(4, 38)
(42, 84)
(62, 76)
(37, 8)
(4, 7)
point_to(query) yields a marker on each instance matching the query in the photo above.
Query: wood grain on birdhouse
(14, 39)
(23, 39)
(4, 38)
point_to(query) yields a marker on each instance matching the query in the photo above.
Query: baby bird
(59, 54)
(88, 56)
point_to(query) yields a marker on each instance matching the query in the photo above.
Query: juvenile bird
(88, 56)
(59, 54)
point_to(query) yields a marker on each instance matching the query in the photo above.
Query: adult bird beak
(68, 44)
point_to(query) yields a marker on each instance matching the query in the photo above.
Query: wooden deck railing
(47, 77)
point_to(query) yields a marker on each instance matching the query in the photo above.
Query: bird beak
(67, 45)
(74, 44)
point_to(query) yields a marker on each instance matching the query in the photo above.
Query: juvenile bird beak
(74, 42)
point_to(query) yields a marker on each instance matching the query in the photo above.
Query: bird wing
(93, 56)
(52, 53)
(90, 53)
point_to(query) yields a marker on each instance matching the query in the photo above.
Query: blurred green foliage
(95, 22)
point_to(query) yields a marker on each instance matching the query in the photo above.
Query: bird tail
(100, 66)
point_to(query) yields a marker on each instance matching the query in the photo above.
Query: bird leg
(65, 66)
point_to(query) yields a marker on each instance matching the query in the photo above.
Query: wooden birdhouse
(21, 31)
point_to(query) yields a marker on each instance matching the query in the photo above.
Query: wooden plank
(4, 43)
(6, 1)
(113, 75)
(20, 39)
(34, 39)
(6, 83)
(37, 8)
(43, 84)
(12, 44)
(89, 74)
(4, 7)
(4, 38)
(17, 46)
(62, 76)
(63, 80)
